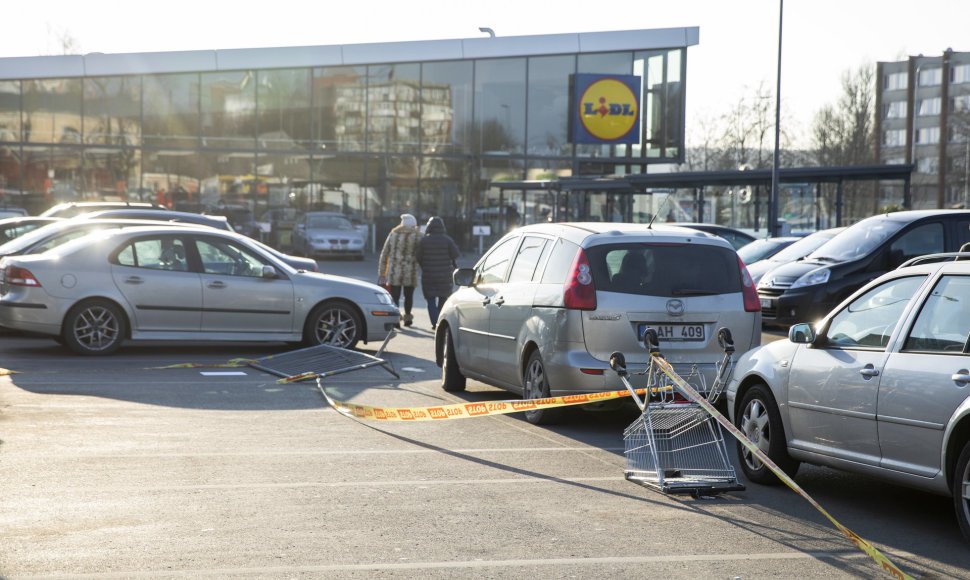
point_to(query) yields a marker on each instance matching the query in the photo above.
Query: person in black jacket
(437, 253)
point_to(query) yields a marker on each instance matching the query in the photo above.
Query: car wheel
(95, 327)
(335, 324)
(451, 378)
(761, 423)
(961, 490)
(536, 386)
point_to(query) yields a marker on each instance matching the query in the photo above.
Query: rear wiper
(693, 292)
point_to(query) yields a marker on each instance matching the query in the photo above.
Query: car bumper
(572, 372)
(320, 250)
(793, 307)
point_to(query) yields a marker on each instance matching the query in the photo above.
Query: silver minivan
(543, 309)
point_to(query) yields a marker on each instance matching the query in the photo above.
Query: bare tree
(842, 135)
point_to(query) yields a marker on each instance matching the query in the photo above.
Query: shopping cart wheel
(618, 363)
(725, 339)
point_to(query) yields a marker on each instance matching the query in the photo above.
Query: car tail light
(19, 277)
(751, 301)
(580, 293)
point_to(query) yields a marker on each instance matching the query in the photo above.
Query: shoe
(408, 320)
(433, 326)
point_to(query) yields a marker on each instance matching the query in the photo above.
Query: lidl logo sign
(606, 108)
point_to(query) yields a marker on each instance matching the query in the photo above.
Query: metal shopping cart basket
(676, 446)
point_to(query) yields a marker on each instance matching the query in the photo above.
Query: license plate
(766, 303)
(675, 332)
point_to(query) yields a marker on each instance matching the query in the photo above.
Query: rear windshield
(665, 269)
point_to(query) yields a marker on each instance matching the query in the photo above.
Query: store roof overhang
(693, 179)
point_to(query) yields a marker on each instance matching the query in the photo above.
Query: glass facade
(371, 140)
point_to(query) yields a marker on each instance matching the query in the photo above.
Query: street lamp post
(773, 209)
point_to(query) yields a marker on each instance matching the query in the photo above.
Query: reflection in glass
(339, 108)
(52, 111)
(393, 107)
(171, 111)
(112, 111)
(549, 105)
(500, 105)
(110, 172)
(229, 178)
(283, 101)
(446, 103)
(171, 177)
(9, 110)
(229, 109)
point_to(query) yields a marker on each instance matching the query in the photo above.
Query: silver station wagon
(881, 386)
(541, 312)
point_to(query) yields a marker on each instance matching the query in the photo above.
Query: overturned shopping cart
(676, 446)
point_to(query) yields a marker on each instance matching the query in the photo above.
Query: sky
(738, 51)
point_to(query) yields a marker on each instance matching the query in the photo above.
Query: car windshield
(758, 249)
(857, 240)
(802, 247)
(18, 245)
(329, 223)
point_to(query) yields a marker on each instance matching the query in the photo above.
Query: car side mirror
(270, 271)
(464, 276)
(802, 333)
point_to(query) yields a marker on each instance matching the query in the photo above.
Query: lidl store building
(370, 130)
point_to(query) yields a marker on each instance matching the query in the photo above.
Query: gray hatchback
(541, 312)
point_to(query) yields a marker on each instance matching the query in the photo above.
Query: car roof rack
(933, 258)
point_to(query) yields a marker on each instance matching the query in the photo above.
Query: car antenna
(666, 201)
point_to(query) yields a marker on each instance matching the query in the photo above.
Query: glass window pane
(549, 105)
(500, 105)
(228, 178)
(446, 100)
(869, 320)
(943, 324)
(229, 109)
(393, 107)
(338, 108)
(527, 260)
(112, 111)
(283, 101)
(171, 111)
(171, 178)
(52, 111)
(110, 173)
(9, 110)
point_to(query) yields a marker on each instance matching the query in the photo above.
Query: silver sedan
(183, 283)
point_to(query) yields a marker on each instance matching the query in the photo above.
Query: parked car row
(878, 386)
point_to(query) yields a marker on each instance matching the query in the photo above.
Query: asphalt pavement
(179, 460)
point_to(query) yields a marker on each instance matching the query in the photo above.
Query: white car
(546, 306)
(183, 283)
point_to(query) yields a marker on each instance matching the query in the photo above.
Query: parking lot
(116, 467)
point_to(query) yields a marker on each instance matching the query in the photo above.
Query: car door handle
(500, 301)
(486, 301)
(217, 285)
(869, 371)
(961, 376)
(134, 280)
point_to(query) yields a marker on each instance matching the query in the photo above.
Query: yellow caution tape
(863, 545)
(465, 410)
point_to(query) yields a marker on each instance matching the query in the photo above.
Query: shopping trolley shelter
(186, 460)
